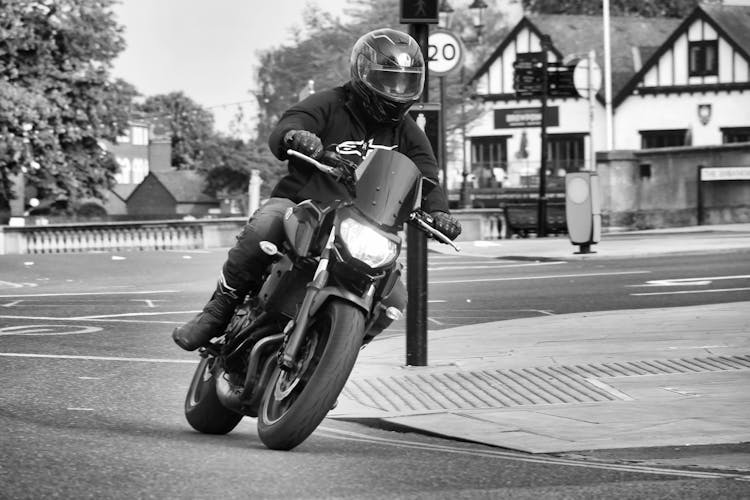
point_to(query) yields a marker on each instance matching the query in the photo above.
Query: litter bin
(583, 209)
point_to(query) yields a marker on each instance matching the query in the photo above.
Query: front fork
(297, 336)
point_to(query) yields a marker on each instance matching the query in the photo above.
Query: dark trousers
(246, 262)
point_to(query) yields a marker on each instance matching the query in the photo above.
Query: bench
(522, 219)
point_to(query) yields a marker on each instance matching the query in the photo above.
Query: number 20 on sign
(444, 52)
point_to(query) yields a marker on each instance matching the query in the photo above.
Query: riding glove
(446, 224)
(305, 142)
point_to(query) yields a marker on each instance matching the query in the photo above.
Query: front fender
(362, 302)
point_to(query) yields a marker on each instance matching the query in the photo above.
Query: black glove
(446, 224)
(305, 142)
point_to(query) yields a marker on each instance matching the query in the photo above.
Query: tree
(187, 124)
(57, 101)
(228, 162)
(655, 8)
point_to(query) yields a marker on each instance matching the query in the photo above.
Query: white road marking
(460, 267)
(79, 409)
(439, 323)
(105, 319)
(148, 302)
(682, 292)
(343, 435)
(10, 284)
(521, 278)
(690, 281)
(126, 315)
(13, 303)
(37, 330)
(76, 294)
(98, 358)
(698, 347)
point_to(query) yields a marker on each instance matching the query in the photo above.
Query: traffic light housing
(419, 12)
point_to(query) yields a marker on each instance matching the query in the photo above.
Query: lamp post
(445, 12)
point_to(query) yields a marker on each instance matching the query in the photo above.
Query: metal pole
(441, 136)
(416, 254)
(700, 196)
(465, 198)
(542, 202)
(592, 103)
(608, 79)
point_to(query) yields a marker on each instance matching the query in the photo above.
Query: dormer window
(704, 58)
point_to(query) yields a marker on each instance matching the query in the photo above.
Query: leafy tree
(655, 8)
(57, 101)
(228, 162)
(188, 125)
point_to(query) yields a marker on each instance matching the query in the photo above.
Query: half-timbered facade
(675, 82)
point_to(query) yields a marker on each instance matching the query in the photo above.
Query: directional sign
(560, 80)
(528, 74)
(444, 52)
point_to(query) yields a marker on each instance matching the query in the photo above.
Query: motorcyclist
(368, 112)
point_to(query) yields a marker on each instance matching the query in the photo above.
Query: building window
(125, 175)
(663, 138)
(735, 134)
(489, 157)
(565, 154)
(140, 136)
(704, 58)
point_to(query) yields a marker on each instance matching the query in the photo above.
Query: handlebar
(418, 217)
(320, 166)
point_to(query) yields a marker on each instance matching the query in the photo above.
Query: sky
(205, 48)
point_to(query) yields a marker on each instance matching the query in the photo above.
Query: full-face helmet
(387, 73)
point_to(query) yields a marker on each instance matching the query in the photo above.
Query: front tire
(296, 401)
(203, 410)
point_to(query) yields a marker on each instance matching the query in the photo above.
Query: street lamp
(445, 13)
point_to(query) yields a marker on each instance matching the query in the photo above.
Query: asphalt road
(92, 386)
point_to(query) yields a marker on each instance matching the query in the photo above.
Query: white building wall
(680, 111)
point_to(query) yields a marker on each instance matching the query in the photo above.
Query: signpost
(444, 56)
(418, 14)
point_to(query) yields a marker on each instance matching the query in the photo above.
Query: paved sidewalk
(601, 380)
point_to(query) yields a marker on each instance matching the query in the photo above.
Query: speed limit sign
(444, 52)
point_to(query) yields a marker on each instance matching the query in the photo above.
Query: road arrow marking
(691, 281)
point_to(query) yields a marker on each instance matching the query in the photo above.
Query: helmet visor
(396, 84)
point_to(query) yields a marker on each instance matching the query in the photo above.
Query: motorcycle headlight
(367, 245)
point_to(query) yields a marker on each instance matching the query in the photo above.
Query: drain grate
(525, 386)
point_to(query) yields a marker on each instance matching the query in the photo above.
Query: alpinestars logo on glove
(360, 148)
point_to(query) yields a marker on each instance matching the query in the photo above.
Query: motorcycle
(289, 349)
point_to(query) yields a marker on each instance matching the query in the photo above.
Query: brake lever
(424, 226)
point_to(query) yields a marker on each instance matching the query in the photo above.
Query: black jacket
(335, 117)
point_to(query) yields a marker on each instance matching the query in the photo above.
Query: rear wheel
(296, 401)
(203, 410)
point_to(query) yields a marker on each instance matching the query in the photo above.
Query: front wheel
(203, 410)
(296, 401)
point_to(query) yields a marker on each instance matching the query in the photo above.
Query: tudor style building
(674, 83)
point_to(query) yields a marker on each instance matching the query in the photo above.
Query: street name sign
(725, 173)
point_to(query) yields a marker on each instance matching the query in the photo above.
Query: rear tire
(296, 402)
(203, 410)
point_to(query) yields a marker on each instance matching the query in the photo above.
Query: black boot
(208, 324)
